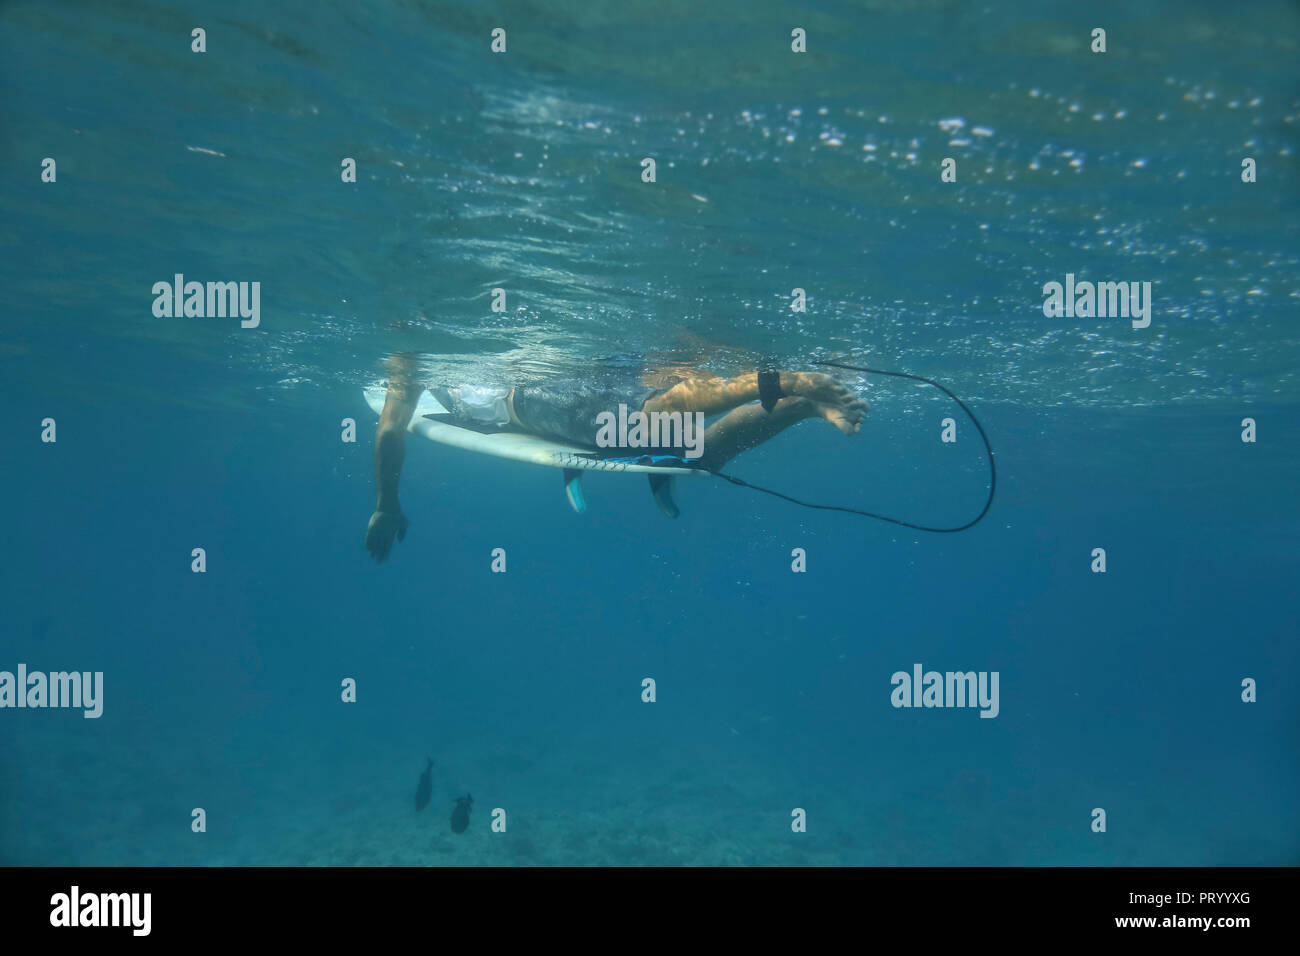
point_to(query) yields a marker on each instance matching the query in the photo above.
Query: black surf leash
(993, 472)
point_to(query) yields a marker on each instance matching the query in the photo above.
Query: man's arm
(390, 451)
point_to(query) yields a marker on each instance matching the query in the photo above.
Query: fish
(424, 789)
(460, 816)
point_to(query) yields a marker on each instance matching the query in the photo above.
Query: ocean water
(1120, 691)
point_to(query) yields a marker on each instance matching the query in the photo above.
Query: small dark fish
(460, 816)
(424, 789)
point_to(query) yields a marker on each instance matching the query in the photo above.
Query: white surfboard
(534, 450)
(515, 446)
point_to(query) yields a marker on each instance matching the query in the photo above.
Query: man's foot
(834, 402)
(847, 419)
(817, 387)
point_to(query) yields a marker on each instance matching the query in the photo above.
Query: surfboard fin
(573, 489)
(661, 486)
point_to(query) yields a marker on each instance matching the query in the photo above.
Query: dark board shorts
(568, 412)
(564, 411)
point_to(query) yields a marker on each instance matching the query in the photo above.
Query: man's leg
(750, 425)
(714, 395)
(390, 452)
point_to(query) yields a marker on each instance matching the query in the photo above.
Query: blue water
(222, 690)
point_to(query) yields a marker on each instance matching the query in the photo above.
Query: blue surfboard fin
(661, 486)
(573, 489)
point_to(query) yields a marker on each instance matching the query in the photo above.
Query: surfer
(755, 407)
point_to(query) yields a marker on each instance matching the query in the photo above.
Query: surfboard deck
(514, 446)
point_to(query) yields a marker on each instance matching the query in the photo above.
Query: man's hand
(379, 535)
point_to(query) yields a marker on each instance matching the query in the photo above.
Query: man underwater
(755, 406)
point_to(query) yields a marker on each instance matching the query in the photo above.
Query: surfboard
(534, 450)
